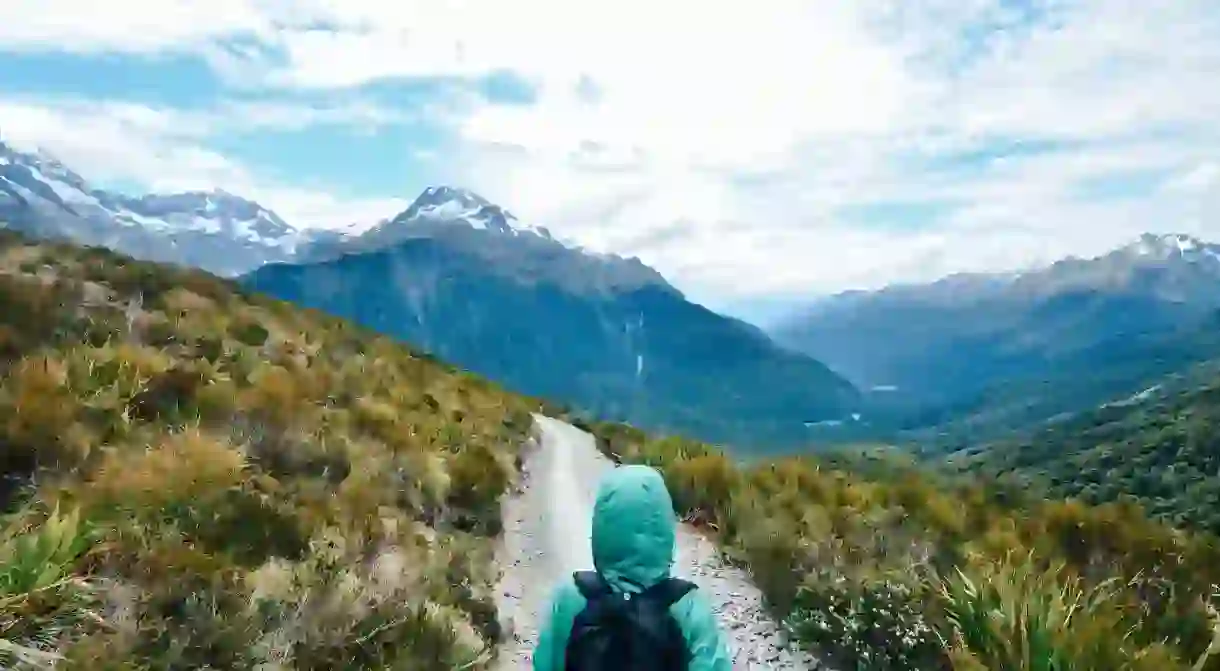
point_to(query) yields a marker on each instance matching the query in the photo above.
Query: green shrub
(878, 625)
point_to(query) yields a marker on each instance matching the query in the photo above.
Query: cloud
(792, 147)
(144, 27)
(1003, 118)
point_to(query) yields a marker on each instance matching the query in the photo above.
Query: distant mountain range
(215, 230)
(977, 352)
(958, 360)
(465, 280)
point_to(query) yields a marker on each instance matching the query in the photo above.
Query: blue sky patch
(897, 215)
(1125, 185)
(179, 81)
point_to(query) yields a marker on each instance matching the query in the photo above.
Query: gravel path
(543, 523)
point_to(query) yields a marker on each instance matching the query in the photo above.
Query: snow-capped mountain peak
(460, 206)
(213, 229)
(40, 175)
(38, 179)
(1170, 246)
(210, 212)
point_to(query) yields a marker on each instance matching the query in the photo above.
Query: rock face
(554, 506)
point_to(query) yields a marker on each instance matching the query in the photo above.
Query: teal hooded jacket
(633, 549)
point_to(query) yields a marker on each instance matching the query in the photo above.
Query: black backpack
(620, 632)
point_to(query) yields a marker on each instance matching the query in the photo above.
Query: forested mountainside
(1160, 448)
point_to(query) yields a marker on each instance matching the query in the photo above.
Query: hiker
(630, 614)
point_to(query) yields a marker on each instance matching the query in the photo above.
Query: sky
(756, 157)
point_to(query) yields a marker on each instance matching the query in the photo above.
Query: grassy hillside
(198, 478)
(1163, 451)
(886, 568)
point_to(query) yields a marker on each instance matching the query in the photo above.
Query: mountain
(466, 222)
(435, 211)
(465, 280)
(1000, 351)
(215, 230)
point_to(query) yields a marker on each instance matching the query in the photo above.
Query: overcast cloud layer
(788, 149)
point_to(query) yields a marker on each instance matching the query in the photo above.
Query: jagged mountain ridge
(227, 234)
(214, 230)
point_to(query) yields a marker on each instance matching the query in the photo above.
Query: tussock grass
(885, 569)
(195, 477)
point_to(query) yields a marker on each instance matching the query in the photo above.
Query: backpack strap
(590, 584)
(666, 593)
(669, 591)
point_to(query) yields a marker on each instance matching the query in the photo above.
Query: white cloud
(721, 143)
(132, 26)
(1200, 178)
(123, 141)
(1124, 85)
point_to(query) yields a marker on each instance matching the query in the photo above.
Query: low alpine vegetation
(888, 569)
(194, 477)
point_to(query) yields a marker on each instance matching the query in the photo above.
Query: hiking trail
(547, 526)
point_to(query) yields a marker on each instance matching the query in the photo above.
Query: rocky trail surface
(546, 536)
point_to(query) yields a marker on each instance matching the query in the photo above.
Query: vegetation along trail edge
(546, 536)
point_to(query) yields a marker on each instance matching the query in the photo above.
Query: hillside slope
(195, 477)
(603, 334)
(1161, 448)
(903, 569)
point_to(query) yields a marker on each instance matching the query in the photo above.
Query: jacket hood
(633, 528)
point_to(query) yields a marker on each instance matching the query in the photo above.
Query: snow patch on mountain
(67, 193)
(213, 230)
(460, 206)
(1169, 245)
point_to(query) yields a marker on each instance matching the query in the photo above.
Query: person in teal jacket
(633, 549)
